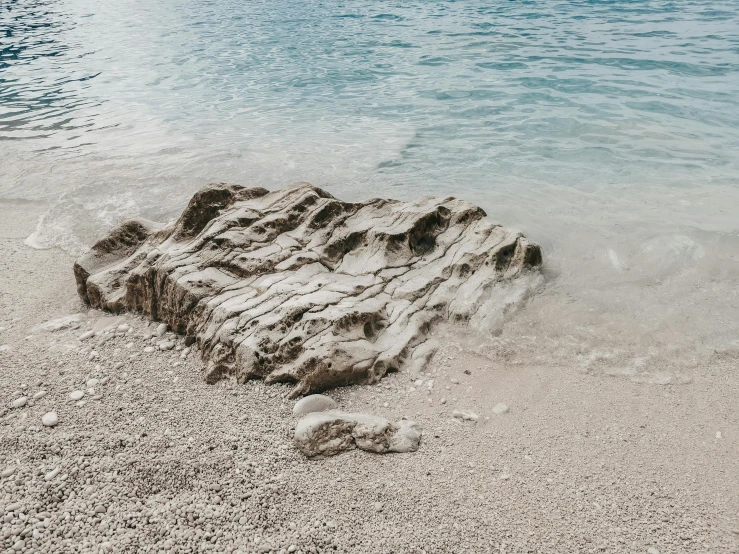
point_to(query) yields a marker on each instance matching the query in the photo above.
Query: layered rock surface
(297, 286)
(321, 434)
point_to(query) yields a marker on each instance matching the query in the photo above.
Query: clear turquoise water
(608, 131)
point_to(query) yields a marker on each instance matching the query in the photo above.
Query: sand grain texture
(158, 460)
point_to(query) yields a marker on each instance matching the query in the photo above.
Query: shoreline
(584, 463)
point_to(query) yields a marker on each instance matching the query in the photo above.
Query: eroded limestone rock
(321, 434)
(297, 286)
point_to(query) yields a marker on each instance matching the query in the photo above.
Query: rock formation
(321, 434)
(296, 286)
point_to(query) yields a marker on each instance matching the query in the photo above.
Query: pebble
(91, 383)
(160, 330)
(20, 402)
(39, 395)
(86, 335)
(313, 403)
(652, 550)
(8, 471)
(53, 473)
(149, 349)
(49, 419)
(455, 381)
(124, 327)
(500, 409)
(76, 395)
(379, 506)
(718, 434)
(466, 416)
(167, 345)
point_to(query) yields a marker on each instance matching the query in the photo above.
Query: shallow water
(607, 131)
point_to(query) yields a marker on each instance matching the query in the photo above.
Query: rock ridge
(297, 286)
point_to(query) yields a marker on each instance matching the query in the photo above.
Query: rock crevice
(297, 286)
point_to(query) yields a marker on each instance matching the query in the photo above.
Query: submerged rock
(297, 286)
(321, 434)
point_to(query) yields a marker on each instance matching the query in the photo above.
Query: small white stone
(718, 434)
(53, 473)
(19, 402)
(500, 409)
(76, 395)
(50, 419)
(160, 330)
(91, 383)
(379, 506)
(39, 395)
(149, 349)
(86, 335)
(466, 416)
(442, 401)
(8, 471)
(652, 550)
(124, 327)
(313, 403)
(167, 345)
(455, 381)
(93, 355)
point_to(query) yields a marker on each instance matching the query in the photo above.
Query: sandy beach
(152, 459)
